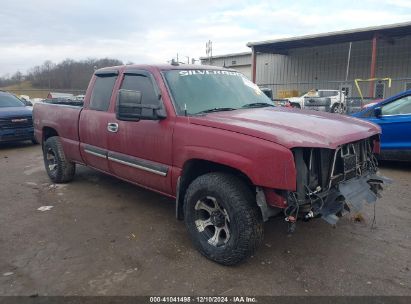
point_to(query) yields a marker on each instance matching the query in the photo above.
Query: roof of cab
(161, 67)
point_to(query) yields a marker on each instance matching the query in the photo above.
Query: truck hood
(291, 128)
(15, 111)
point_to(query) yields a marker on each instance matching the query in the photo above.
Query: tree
(68, 74)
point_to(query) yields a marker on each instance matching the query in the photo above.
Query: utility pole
(209, 51)
(348, 62)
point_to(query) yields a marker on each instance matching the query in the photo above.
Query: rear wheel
(295, 105)
(58, 168)
(222, 218)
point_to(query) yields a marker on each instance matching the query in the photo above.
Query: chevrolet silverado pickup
(210, 139)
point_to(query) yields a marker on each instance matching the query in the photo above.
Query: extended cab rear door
(140, 151)
(93, 125)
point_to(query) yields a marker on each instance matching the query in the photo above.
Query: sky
(32, 32)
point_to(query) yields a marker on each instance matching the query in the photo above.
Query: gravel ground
(103, 236)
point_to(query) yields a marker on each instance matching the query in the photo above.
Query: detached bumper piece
(351, 195)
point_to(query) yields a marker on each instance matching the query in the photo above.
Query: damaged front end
(331, 183)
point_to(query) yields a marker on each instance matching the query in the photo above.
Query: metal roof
(366, 33)
(228, 55)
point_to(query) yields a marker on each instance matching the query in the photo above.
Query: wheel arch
(194, 168)
(47, 133)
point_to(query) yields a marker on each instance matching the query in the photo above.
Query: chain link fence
(355, 98)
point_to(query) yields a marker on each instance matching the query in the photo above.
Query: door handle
(112, 127)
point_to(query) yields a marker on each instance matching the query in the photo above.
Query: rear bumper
(10, 135)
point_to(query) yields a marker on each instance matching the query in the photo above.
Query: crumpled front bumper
(351, 195)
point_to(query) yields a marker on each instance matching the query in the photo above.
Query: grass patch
(26, 88)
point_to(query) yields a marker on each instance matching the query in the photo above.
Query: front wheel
(58, 168)
(338, 108)
(222, 218)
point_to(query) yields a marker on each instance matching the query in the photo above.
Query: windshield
(201, 91)
(8, 100)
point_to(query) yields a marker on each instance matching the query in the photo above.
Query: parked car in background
(336, 98)
(59, 95)
(393, 115)
(79, 97)
(16, 123)
(35, 100)
(267, 91)
(282, 102)
(26, 100)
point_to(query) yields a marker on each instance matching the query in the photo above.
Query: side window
(328, 93)
(398, 107)
(143, 84)
(102, 91)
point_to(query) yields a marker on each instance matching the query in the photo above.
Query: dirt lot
(107, 237)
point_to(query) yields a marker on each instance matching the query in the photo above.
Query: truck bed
(68, 102)
(62, 118)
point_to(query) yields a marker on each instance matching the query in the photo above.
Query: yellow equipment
(357, 81)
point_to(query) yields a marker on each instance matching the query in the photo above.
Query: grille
(16, 122)
(351, 160)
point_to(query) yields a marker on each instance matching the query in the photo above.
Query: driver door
(140, 151)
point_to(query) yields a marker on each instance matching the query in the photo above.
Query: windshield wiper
(257, 105)
(216, 110)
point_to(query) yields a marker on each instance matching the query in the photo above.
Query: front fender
(265, 163)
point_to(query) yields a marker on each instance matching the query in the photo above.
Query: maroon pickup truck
(209, 138)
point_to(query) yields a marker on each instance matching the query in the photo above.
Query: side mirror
(129, 107)
(377, 112)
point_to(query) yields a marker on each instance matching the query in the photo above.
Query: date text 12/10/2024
(203, 299)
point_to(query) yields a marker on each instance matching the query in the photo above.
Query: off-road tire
(246, 223)
(64, 170)
(295, 105)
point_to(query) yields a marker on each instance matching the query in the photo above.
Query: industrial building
(333, 60)
(239, 61)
